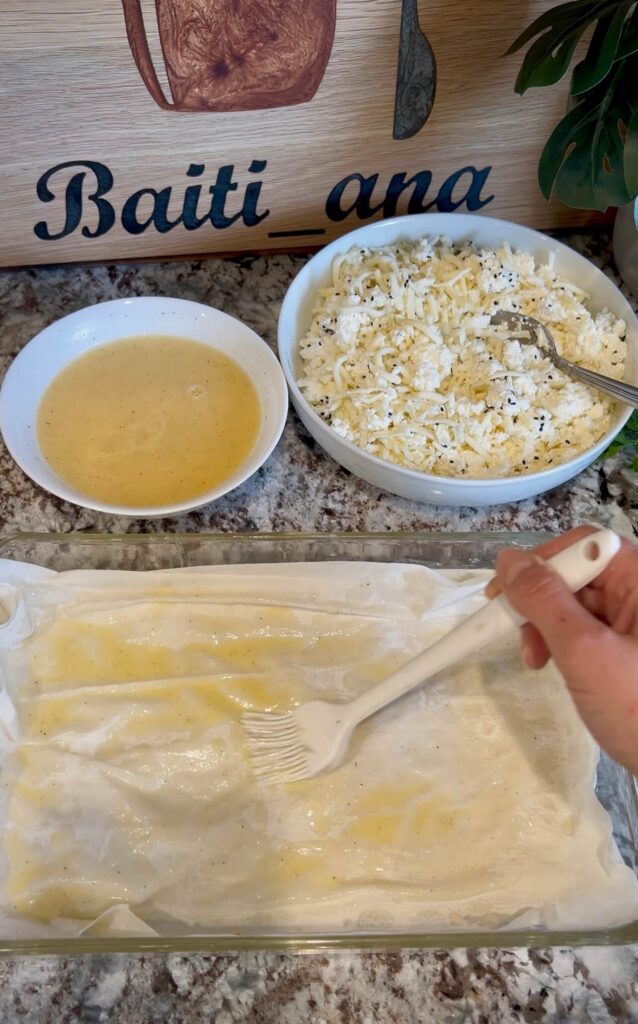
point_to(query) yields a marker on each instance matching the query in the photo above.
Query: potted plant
(590, 160)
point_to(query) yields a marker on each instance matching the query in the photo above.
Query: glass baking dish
(616, 788)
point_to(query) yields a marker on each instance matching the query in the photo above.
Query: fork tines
(274, 747)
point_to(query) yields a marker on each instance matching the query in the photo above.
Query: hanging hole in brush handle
(583, 561)
(578, 565)
(138, 41)
(592, 551)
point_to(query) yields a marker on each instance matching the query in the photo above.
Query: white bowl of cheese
(400, 378)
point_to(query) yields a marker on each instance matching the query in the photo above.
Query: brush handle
(577, 565)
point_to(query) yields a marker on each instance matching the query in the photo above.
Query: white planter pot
(626, 244)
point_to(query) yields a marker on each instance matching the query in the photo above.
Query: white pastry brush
(314, 737)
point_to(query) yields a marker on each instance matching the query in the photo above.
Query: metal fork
(539, 335)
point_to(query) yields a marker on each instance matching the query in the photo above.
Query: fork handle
(619, 389)
(577, 565)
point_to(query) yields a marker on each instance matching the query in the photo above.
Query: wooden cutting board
(130, 129)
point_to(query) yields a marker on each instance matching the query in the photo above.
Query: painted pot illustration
(234, 54)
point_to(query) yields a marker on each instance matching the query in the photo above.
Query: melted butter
(152, 692)
(376, 829)
(90, 653)
(156, 711)
(400, 811)
(76, 897)
(148, 421)
(398, 792)
(256, 651)
(132, 783)
(307, 869)
(432, 821)
(153, 714)
(93, 654)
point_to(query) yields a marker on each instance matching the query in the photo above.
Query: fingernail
(518, 562)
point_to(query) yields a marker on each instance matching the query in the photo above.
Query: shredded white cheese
(401, 360)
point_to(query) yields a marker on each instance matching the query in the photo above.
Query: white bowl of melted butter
(143, 407)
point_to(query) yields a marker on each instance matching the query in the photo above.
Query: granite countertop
(300, 488)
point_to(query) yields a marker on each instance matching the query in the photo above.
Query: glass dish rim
(455, 536)
(225, 944)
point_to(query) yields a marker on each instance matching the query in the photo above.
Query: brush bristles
(275, 750)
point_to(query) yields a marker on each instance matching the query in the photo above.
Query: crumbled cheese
(401, 359)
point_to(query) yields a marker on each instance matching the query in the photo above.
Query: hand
(592, 636)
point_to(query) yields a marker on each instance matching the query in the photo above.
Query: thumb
(538, 593)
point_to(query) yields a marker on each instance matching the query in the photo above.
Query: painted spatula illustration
(416, 75)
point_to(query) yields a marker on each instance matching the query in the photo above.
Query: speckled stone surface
(300, 488)
(590, 986)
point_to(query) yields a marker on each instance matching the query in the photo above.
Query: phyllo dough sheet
(128, 796)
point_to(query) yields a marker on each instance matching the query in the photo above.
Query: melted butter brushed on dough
(468, 804)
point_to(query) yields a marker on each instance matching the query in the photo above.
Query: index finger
(547, 550)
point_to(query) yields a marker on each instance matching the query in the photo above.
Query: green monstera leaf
(583, 162)
(626, 441)
(631, 154)
(591, 158)
(602, 50)
(629, 39)
(559, 31)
